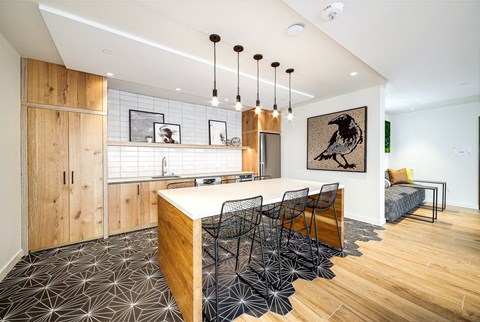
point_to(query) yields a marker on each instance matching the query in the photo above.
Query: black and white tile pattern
(118, 279)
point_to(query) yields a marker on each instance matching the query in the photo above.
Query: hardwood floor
(419, 272)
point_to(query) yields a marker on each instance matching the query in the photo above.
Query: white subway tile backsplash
(193, 119)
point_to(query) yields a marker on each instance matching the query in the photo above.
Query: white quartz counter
(180, 177)
(205, 201)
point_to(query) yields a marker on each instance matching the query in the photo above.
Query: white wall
(10, 189)
(424, 141)
(364, 192)
(193, 120)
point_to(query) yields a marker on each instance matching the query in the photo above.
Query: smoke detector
(332, 11)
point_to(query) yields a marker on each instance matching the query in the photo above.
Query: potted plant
(149, 138)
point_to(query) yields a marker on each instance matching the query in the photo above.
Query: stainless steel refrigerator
(269, 156)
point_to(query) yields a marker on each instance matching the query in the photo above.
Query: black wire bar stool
(292, 206)
(238, 218)
(322, 202)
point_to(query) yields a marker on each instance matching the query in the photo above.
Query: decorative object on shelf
(258, 108)
(141, 124)
(337, 141)
(275, 107)
(167, 133)
(149, 138)
(236, 141)
(238, 49)
(387, 136)
(217, 132)
(228, 142)
(214, 38)
(290, 114)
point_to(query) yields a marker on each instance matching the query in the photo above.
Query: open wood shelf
(178, 146)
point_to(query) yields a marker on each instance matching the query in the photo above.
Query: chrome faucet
(164, 166)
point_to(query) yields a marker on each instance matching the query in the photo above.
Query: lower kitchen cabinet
(133, 206)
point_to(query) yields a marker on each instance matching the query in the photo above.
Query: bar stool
(182, 184)
(324, 201)
(292, 206)
(238, 218)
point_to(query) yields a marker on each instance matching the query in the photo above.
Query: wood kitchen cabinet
(133, 206)
(252, 125)
(56, 85)
(65, 177)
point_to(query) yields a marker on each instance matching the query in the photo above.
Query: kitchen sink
(165, 177)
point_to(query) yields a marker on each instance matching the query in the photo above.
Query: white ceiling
(425, 49)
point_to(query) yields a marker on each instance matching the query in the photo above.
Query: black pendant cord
(290, 90)
(238, 73)
(214, 65)
(258, 97)
(275, 89)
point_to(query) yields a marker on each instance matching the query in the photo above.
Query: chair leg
(263, 261)
(309, 242)
(251, 245)
(338, 229)
(289, 233)
(238, 253)
(279, 257)
(216, 279)
(314, 217)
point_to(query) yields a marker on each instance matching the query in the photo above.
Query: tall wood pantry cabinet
(64, 129)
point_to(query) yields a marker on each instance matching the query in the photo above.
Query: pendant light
(289, 72)
(258, 109)
(214, 38)
(275, 108)
(238, 49)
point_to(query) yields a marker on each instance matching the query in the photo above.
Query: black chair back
(265, 177)
(238, 218)
(293, 204)
(182, 184)
(327, 196)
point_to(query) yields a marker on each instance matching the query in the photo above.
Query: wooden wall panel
(86, 176)
(268, 123)
(56, 85)
(250, 156)
(48, 223)
(180, 258)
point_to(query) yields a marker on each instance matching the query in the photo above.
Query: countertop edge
(180, 177)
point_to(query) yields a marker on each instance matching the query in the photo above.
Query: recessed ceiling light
(107, 51)
(110, 74)
(412, 108)
(178, 89)
(226, 100)
(353, 74)
(295, 29)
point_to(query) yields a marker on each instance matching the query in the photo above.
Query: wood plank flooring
(419, 272)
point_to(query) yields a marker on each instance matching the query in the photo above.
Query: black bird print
(343, 141)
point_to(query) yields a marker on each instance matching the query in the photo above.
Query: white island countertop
(206, 201)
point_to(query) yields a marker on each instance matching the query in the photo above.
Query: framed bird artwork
(338, 141)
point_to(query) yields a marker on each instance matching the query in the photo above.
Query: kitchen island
(180, 213)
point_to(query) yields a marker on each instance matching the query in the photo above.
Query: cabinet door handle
(72, 177)
(64, 177)
(138, 190)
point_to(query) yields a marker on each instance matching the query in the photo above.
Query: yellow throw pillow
(398, 176)
(410, 175)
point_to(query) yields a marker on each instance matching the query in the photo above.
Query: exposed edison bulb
(275, 113)
(238, 106)
(215, 101)
(258, 109)
(290, 116)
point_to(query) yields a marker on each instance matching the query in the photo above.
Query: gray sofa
(400, 199)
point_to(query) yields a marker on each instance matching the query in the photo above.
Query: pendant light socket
(238, 49)
(258, 109)
(275, 107)
(214, 38)
(290, 114)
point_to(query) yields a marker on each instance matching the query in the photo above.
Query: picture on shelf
(167, 133)
(141, 124)
(217, 132)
